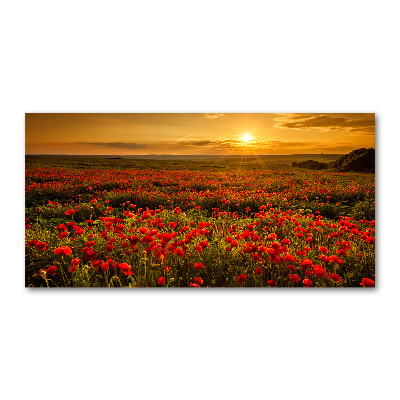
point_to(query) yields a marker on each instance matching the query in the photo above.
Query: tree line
(360, 160)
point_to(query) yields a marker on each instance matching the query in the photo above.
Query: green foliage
(360, 160)
(310, 164)
(364, 210)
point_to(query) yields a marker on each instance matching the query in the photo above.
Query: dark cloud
(120, 145)
(191, 141)
(198, 143)
(325, 122)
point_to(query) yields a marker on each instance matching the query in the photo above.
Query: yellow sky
(200, 133)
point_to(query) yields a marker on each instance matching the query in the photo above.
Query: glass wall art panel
(201, 200)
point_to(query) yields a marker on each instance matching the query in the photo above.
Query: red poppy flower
(272, 236)
(125, 268)
(109, 247)
(63, 235)
(306, 263)
(70, 212)
(307, 282)
(32, 242)
(78, 230)
(204, 244)
(179, 252)
(285, 242)
(61, 228)
(319, 271)
(271, 283)
(198, 280)
(104, 266)
(258, 271)
(51, 270)
(367, 282)
(241, 278)
(72, 268)
(143, 230)
(345, 245)
(335, 277)
(323, 250)
(90, 255)
(161, 280)
(198, 265)
(146, 215)
(194, 284)
(41, 246)
(294, 278)
(63, 251)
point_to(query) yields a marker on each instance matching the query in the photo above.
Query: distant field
(206, 222)
(283, 162)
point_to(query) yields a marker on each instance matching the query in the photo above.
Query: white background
(208, 56)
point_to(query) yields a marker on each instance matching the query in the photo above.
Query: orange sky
(200, 133)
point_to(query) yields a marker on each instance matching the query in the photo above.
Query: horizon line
(179, 155)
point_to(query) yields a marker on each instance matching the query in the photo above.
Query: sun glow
(246, 137)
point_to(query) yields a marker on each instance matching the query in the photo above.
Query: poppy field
(197, 227)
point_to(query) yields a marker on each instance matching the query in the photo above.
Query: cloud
(198, 143)
(119, 145)
(193, 141)
(223, 145)
(255, 144)
(215, 116)
(327, 123)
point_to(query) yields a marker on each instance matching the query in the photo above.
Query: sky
(197, 133)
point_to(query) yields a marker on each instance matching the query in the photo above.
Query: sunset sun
(246, 137)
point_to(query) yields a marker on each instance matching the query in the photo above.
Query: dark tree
(310, 164)
(360, 160)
